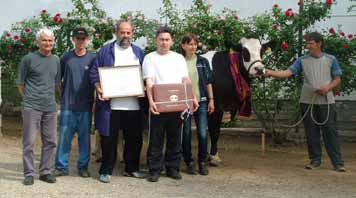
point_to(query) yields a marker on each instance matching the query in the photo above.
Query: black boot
(191, 168)
(203, 170)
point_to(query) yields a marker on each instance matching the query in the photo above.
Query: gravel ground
(244, 173)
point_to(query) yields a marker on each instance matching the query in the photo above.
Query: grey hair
(119, 22)
(44, 31)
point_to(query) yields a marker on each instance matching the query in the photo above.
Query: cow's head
(251, 51)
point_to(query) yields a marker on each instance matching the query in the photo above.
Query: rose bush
(20, 39)
(286, 27)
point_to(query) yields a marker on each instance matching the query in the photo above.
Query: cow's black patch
(246, 55)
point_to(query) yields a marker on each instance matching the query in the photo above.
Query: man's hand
(323, 90)
(153, 108)
(99, 92)
(266, 72)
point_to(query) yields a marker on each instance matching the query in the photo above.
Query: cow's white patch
(254, 48)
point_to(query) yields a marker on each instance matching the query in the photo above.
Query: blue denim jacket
(106, 58)
(205, 77)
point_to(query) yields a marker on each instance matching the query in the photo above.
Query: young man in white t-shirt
(164, 66)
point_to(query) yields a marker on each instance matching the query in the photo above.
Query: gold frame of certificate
(121, 81)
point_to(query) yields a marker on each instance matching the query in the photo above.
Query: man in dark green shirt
(39, 73)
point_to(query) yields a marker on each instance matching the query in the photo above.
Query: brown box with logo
(172, 97)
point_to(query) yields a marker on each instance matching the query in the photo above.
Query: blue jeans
(71, 122)
(201, 121)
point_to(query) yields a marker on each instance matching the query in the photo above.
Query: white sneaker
(215, 160)
(105, 178)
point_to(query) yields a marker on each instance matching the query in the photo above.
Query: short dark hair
(317, 37)
(164, 29)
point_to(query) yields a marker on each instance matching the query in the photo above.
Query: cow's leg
(214, 121)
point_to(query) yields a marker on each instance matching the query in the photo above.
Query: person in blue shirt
(76, 104)
(322, 74)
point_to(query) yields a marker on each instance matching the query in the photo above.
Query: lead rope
(311, 109)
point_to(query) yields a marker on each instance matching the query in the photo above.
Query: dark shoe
(191, 168)
(312, 165)
(174, 174)
(48, 178)
(203, 170)
(28, 181)
(83, 173)
(136, 174)
(153, 177)
(340, 168)
(59, 173)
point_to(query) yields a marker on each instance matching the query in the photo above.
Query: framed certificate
(121, 81)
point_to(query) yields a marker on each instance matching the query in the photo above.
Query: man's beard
(125, 42)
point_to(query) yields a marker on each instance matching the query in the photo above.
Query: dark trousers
(169, 125)
(131, 124)
(329, 133)
(214, 121)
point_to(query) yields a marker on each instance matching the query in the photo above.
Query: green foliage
(20, 39)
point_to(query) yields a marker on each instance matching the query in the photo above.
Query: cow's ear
(237, 47)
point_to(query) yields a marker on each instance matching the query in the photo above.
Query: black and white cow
(225, 97)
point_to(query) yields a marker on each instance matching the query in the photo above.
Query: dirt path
(244, 173)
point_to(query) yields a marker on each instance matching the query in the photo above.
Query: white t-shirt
(165, 69)
(124, 57)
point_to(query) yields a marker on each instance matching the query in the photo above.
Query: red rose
(284, 45)
(299, 2)
(56, 18)
(275, 26)
(346, 45)
(218, 33)
(275, 5)
(329, 2)
(16, 37)
(9, 47)
(289, 13)
(61, 20)
(331, 31)
(23, 40)
(58, 14)
(342, 33)
(8, 34)
(350, 36)
(27, 30)
(44, 11)
(337, 93)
